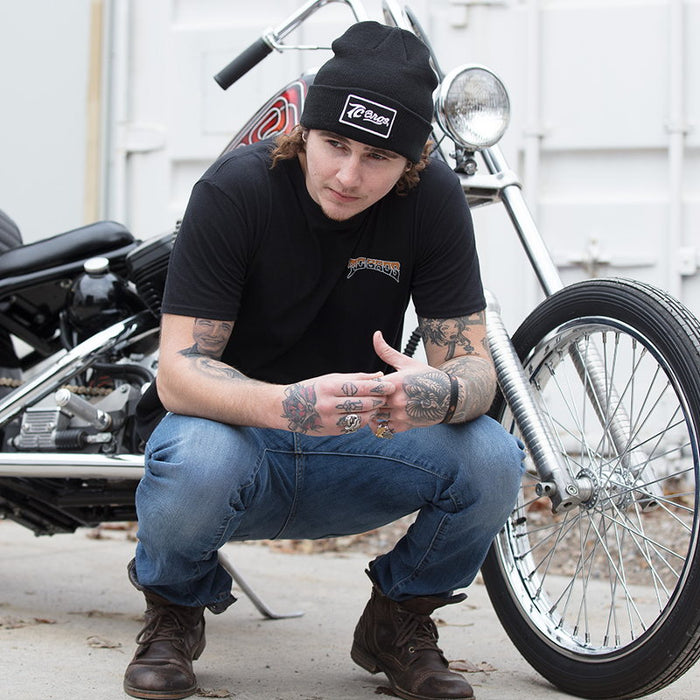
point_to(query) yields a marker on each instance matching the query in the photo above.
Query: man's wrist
(453, 400)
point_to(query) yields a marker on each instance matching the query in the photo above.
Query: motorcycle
(595, 575)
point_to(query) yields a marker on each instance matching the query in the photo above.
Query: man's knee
(492, 467)
(505, 457)
(188, 442)
(190, 485)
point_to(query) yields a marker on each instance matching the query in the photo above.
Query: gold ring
(384, 431)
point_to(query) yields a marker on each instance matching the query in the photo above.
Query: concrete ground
(68, 619)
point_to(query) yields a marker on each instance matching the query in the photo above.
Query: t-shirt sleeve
(447, 281)
(208, 262)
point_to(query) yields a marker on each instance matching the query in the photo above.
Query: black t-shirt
(306, 293)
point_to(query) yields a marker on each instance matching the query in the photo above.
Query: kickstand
(254, 598)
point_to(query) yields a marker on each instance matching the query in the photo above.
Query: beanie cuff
(367, 117)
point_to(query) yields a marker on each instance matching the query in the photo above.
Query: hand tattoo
(428, 396)
(299, 408)
(350, 406)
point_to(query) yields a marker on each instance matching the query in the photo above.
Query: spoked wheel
(604, 599)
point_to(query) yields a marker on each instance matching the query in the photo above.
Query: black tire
(10, 236)
(604, 599)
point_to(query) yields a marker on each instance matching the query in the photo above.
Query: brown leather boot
(171, 639)
(400, 639)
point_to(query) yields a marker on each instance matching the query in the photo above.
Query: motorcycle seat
(74, 245)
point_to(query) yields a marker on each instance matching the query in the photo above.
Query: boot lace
(419, 631)
(163, 625)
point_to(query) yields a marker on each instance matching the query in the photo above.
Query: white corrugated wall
(109, 109)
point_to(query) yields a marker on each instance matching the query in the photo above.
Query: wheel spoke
(565, 561)
(605, 588)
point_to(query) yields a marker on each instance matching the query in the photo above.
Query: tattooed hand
(325, 405)
(423, 393)
(193, 379)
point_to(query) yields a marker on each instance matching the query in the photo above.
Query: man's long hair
(289, 146)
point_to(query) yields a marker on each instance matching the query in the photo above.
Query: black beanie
(377, 89)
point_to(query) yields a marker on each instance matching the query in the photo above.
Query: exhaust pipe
(55, 465)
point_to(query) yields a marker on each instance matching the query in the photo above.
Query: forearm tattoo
(210, 338)
(477, 374)
(451, 334)
(216, 369)
(299, 408)
(466, 357)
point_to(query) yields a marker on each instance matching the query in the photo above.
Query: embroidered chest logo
(387, 267)
(367, 115)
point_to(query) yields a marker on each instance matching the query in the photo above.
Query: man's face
(344, 177)
(210, 336)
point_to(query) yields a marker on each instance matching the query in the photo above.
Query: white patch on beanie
(368, 116)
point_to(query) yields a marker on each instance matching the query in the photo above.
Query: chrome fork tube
(604, 397)
(607, 404)
(512, 197)
(556, 483)
(590, 367)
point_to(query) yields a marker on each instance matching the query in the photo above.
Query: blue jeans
(207, 483)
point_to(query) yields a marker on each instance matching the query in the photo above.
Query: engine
(95, 413)
(68, 422)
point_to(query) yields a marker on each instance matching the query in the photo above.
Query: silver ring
(350, 422)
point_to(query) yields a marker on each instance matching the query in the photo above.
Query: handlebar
(272, 39)
(240, 65)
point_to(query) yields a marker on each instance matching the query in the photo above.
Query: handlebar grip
(240, 65)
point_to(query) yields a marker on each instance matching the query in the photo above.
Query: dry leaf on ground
(466, 666)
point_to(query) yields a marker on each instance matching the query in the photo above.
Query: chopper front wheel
(604, 600)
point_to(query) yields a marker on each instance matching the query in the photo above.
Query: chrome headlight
(473, 107)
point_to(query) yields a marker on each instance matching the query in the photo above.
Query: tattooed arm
(459, 371)
(193, 380)
(459, 347)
